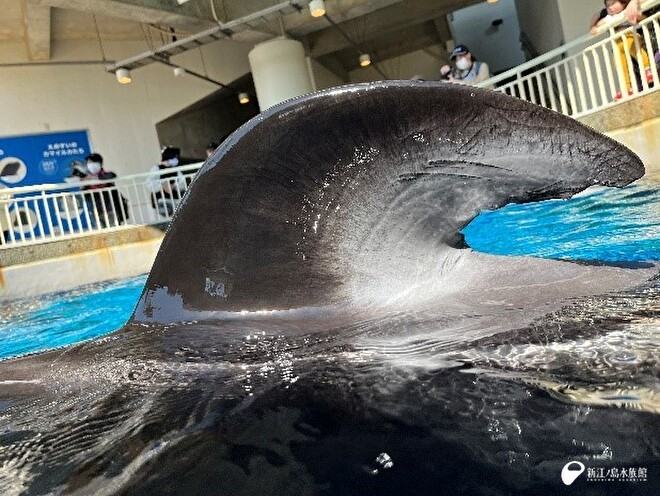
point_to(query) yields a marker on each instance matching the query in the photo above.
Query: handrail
(92, 182)
(536, 61)
(50, 212)
(609, 70)
(582, 40)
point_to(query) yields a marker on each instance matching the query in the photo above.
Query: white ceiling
(383, 28)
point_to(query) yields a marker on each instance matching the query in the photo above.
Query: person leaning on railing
(634, 13)
(629, 39)
(110, 206)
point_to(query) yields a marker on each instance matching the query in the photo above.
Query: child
(612, 8)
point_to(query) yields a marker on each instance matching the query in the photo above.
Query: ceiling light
(123, 76)
(491, 1)
(317, 8)
(365, 60)
(180, 2)
(179, 71)
(243, 98)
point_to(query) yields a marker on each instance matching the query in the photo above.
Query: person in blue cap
(465, 68)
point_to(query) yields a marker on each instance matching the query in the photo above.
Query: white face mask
(94, 168)
(463, 63)
(173, 162)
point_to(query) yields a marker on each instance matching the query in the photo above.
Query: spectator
(73, 205)
(5, 219)
(633, 12)
(465, 67)
(110, 208)
(210, 148)
(167, 187)
(628, 41)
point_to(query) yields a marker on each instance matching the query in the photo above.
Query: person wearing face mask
(465, 68)
(106, 206)
(167, 186)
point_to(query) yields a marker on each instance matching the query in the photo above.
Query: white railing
(50, 212)
(590, 74)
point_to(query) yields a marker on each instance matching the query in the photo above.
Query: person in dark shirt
(108, 206)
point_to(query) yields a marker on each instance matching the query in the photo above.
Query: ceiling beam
(404, 48)
(442, 27)
(200, 15)
(382, 49)
(132, 12)
(334, 65)
(194, 41)
(36, 20)
(295, 24)
(390, 19)
(339, 10)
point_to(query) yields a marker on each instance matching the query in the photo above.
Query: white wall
(120, 119)
(575, 16)
(499, 46)
(541, 21)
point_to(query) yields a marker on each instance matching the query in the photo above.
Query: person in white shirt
(166, 186)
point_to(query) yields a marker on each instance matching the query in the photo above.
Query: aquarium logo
(626, 474)
(571, 471)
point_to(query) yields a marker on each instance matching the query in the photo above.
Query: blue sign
(41, 158)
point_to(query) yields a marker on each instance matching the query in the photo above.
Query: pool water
(61, 319)
(369, 407)
(613, 225)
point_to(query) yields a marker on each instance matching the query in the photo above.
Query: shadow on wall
(209, 120)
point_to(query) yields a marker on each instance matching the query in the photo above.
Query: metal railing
(51, 212)
(592, 72)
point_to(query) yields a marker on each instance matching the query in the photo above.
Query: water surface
(241, 409)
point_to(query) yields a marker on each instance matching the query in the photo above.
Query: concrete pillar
(279, 71)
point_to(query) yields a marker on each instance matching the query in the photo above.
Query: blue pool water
(611, 225)
(61, 319)
(383, 406)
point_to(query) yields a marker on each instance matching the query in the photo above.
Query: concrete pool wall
(636, 124)
(62, 265)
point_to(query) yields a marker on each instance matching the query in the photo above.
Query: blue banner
(41, 158)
